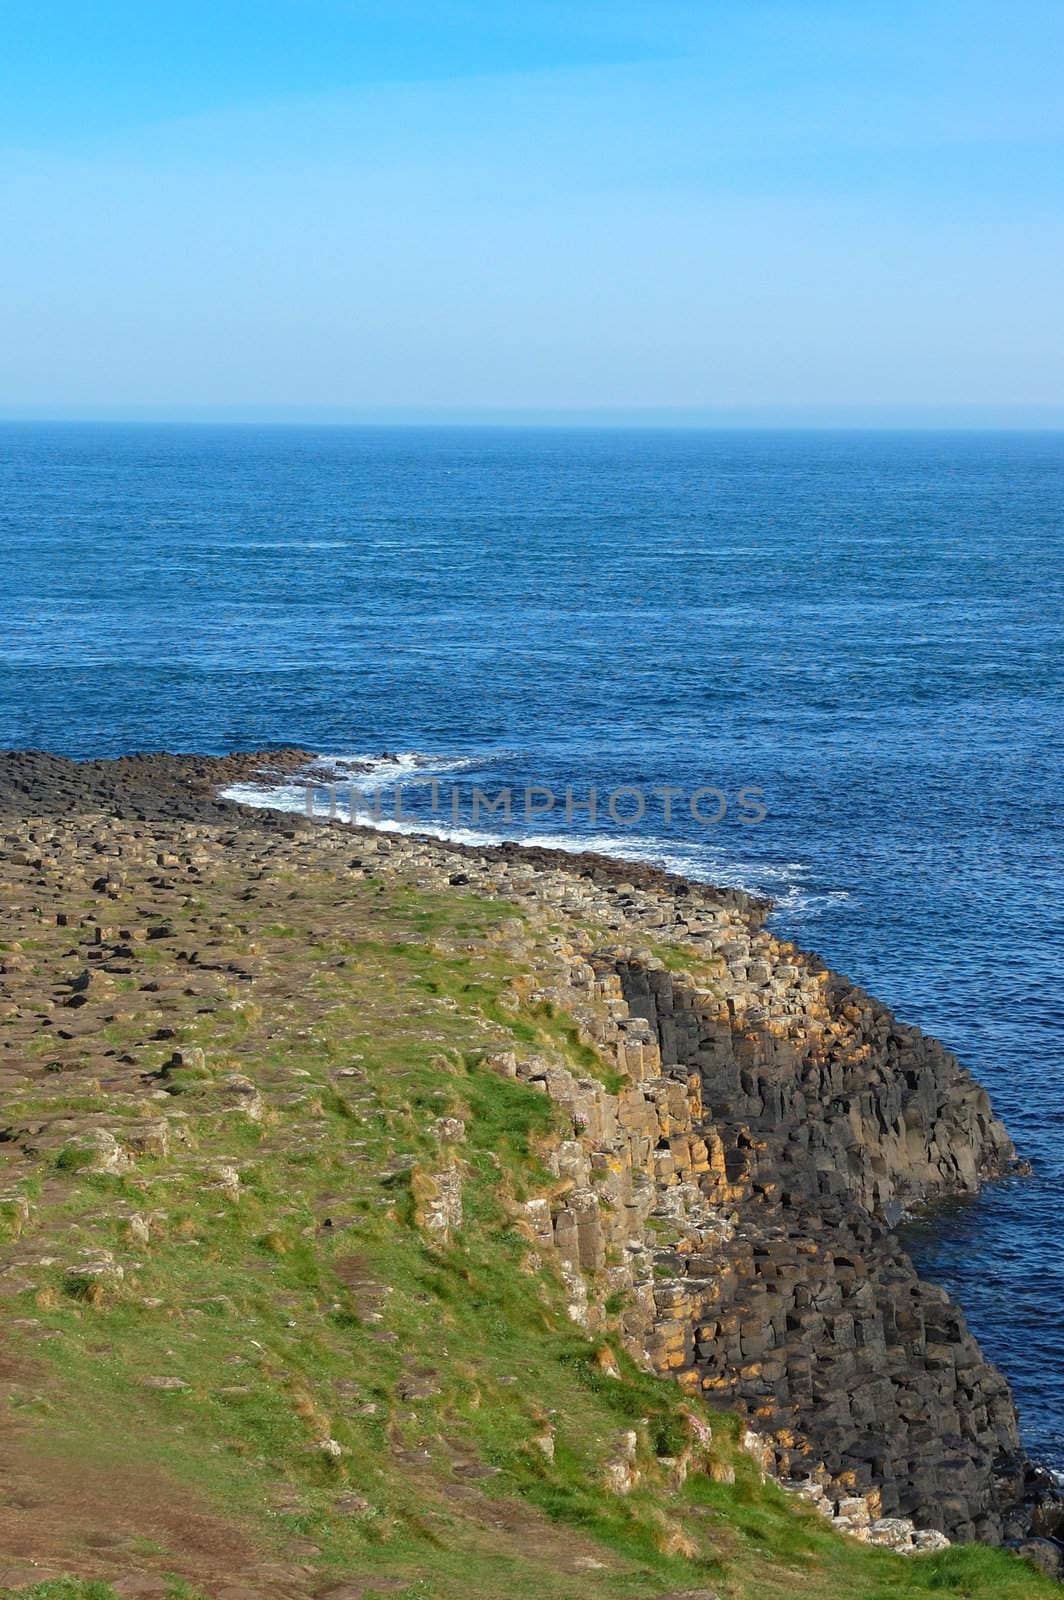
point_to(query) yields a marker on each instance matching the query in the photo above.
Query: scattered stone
(151, 1139)
(94, 1279)
(14, 1214)
(96, 1150)
(448, 1130)
(1044, 1554)
(418, 1387)
(225, 1177)
(242, 1094)
(330, 1448)
(138, 1229)
(620, 1473)
(437, 1201)
(352, 1505)
(544, 1443)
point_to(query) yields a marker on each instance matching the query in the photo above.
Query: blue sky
(809, 210)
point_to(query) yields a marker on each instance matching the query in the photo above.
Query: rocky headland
(731, 1131)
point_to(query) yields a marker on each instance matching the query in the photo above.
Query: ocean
(857, 633)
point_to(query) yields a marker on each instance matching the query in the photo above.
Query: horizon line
(777, 418)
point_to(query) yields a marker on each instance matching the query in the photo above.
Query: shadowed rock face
(145, 787)
(742, 1185)
(811, 1317)
(839, 1098)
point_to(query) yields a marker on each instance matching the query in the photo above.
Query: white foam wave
(345, 772)
(276, 797)
(333, 777)
(384, 771)
(805, 903)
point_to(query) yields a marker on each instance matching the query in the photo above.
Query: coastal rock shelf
(741, 1130)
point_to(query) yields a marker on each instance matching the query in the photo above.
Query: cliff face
(865, 1106)
(736, 1195)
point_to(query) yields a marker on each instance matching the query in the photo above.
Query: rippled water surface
(867, 627)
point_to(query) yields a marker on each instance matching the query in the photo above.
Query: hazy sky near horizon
(287, 207)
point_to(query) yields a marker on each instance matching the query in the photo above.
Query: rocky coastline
(731, 1195)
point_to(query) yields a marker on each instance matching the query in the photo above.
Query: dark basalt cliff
(744, 1188)
(811, 1316)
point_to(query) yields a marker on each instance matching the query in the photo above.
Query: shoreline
(154, 785)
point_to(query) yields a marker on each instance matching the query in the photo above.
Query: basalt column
(806, 1314)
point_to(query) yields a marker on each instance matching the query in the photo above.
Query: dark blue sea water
(867, 627)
